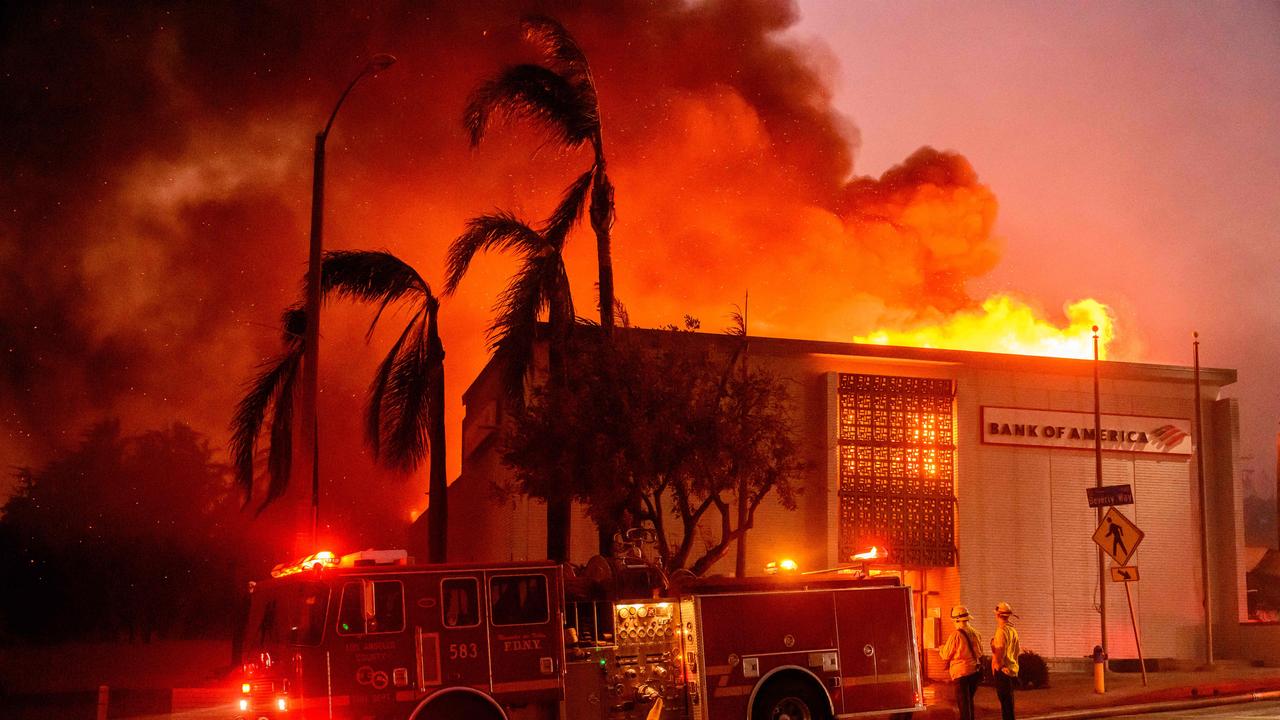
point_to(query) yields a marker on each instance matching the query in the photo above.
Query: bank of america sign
(1075, 431)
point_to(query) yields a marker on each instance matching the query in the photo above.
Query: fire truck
(372, 636)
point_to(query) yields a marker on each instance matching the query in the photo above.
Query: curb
(1162, 706)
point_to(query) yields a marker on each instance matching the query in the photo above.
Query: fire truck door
(526, 637)
(876, 648)
(455, 648)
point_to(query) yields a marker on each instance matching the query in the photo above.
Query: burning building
(970, 469)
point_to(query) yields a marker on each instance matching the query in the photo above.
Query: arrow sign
(1118, 536)
(1124, 573)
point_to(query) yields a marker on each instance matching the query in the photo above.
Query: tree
(541, 285)
(270, 393)
(122, 537)
(560, 96)
(404, 421)
(663, 430)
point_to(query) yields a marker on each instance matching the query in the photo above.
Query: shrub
(1033, 671)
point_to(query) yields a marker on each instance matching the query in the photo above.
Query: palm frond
(515, 323)
(500, 231)
(270, 391)
(620, 312)
(378, 389)
(293, 322)
(739, 326)
(535, 93)
(559, 49)
(280, 454)
(371, 276)
(406, 403)
(569, 210)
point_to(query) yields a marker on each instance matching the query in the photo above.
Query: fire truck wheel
(790, 699)
(455, 706)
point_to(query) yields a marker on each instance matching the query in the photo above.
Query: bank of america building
(971, 469)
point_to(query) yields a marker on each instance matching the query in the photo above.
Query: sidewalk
(1073, 692)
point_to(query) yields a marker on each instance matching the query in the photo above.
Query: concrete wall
(1260, 643)
(1026, 526)
(1023, 524)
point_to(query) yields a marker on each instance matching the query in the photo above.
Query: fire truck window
(460, 602)
(309, 609)
(267, 632)
(518, 599)
(388, 607)
(351, 609)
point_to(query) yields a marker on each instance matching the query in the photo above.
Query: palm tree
(270, 392)
(559, 95)
(404, 422)
(541, 284)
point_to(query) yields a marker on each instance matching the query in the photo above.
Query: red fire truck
(373, 636)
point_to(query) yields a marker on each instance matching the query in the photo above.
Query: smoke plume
(155, 221)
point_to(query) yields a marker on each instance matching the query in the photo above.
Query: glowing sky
(1134, 149)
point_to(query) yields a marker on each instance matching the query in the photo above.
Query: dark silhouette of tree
(122, 537)
(666, 431)
(270, 394)
(404, 422)
(560, 96)
(540, 285)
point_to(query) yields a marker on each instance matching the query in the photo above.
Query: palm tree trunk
(438, 483)
(602, 216)
(560, 499)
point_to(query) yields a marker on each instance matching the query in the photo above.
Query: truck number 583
(463, 651)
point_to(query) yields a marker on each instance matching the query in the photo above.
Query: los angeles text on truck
(373, 636)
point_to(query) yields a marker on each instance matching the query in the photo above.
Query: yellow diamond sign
(1118, 536)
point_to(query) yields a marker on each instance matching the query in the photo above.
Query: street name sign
(1124, 573)
(1118, 536)
(1110, 495)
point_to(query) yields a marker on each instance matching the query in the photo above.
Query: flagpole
(1204, 512)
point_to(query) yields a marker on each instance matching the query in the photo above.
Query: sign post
(1118, 537)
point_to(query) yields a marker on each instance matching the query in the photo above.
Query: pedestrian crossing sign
(1118, 536)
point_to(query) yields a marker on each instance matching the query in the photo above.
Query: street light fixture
(311, 347)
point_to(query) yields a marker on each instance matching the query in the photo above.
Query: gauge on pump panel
(643, 611)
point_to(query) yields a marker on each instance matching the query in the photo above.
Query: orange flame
(1005, 324)
(871, 554)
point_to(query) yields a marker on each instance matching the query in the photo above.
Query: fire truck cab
(370, 636)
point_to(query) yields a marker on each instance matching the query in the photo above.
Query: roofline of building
(1109, 369)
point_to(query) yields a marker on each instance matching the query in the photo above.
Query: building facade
(971, 469)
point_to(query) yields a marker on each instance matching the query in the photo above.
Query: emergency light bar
(375, 557)
(324, 558)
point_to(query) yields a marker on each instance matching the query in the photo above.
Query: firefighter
(1004, 658)
(960, 653)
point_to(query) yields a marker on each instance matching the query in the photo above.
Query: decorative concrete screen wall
(896, 448)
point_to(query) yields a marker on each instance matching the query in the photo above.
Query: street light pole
(310, 419)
